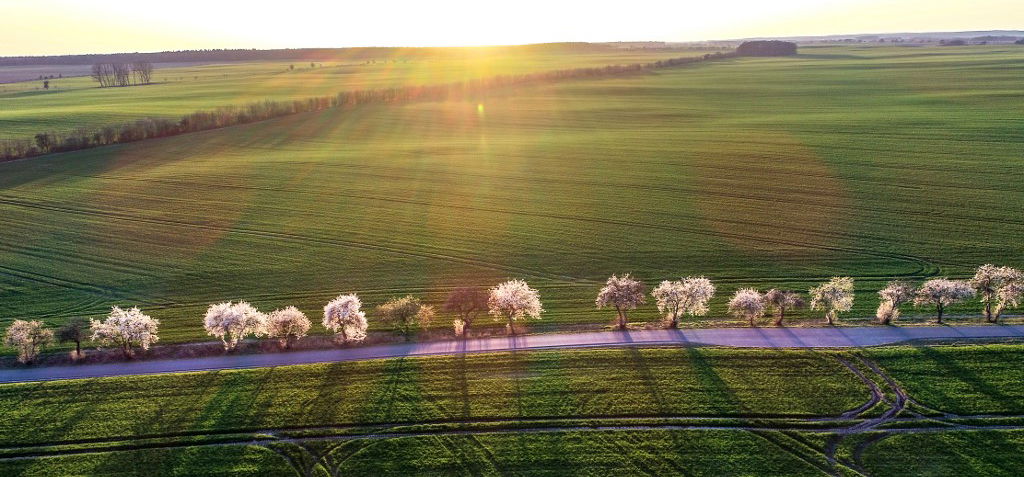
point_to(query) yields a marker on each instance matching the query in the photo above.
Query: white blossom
(1010, 295)
(29, 337)
(833, 297)
(232, 322)
(126, 329)
(988, 281)
(343, 316)
(943, 292)
(895, 293)
(747, 303)
(624, 293)
(459, 327)
(514, 300)
(287, 324)
(689, 296)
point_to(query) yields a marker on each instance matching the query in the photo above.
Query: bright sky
(47, 27)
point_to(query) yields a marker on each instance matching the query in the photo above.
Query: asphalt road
(736, 337)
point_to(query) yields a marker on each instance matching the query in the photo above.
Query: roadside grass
(755, 172)
(554, 412)
(436, 390)
(965, 379)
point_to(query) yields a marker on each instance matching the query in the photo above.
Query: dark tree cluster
(766, 48)
(122, 74)
(44, 143)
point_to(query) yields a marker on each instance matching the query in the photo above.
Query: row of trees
(50, 142)
(122, 74)
(998, 287)
(125, 329)
(231, 322)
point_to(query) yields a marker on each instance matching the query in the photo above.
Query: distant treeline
(299, 54)
(44, 143)
(122, 74)
(766, 48)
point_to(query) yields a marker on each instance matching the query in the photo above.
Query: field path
(735, 337)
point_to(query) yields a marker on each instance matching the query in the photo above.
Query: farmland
(76, 102)
(755, 172)
(699, 411)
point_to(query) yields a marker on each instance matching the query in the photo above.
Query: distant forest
(306, 54)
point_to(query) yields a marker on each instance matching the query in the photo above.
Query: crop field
(26, 108)
(870, 162)
(692, 411)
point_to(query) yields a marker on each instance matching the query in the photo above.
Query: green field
(874, 162)
(70, 103)
(670, 411)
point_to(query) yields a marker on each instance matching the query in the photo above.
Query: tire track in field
(265, 438)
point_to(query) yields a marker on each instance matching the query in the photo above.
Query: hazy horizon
(62, 27)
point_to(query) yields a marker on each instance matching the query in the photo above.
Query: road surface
(736, 337)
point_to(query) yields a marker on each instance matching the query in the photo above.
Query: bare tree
(624, 293)
(782, 300)
(467, 303)
(74, 331)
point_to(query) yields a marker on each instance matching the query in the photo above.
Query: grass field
(70, 103)
(692, 411)
(872, 162)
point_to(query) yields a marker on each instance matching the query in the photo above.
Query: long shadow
(725, 401)
(462, 381)
(966, 374)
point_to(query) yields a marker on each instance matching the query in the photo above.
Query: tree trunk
(988, 310)
(344, 336)
(751, 319)
(939, 319)
(782, 315)
(78, 349)
(511, 326)
(674, 323)
(622, 317)
(828, 318)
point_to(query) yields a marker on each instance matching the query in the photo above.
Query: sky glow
(46, 27)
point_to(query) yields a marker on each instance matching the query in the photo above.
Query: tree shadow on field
(978, 383)
(725, 401)
(462, 381)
